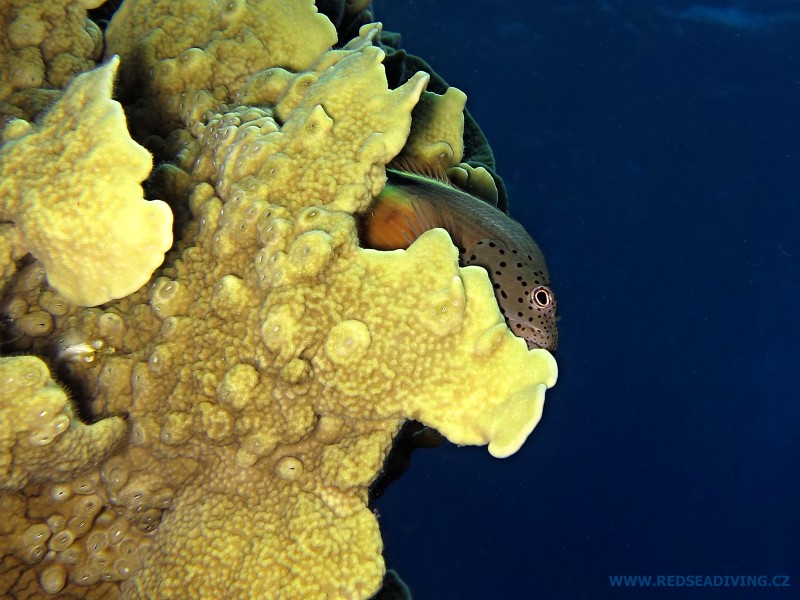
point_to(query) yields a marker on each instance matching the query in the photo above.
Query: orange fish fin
(426, 216)
(417, 166)
(430, 215)
(390, 223)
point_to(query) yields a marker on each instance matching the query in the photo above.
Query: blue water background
(653, 150)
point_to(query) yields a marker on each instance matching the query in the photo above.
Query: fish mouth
(537, 345)
(535, 337)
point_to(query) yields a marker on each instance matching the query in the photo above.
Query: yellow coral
(438, 128)
(266, 369)
(211, 48)
(45, 43)
(72, 187)
(40, 437)
(475, 180)
(437, 140)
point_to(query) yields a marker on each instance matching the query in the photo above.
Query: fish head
(522, 286)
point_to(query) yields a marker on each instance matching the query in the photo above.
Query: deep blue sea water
(653, 150)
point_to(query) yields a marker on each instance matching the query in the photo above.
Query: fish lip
(551, 348)
(545, 340)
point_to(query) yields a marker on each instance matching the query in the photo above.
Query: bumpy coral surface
(40, 436)
(195, 46)
(438, 128)
(45, 43)
(263, 371)
(71, 186)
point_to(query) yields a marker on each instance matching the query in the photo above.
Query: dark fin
(416, 166)
(393, 588)
(427, 437)
(412, 436)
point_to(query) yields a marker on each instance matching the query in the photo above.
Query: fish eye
(541, 297)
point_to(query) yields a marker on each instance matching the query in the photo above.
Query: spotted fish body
(411, 204)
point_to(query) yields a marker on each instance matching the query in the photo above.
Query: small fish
(411, 204)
